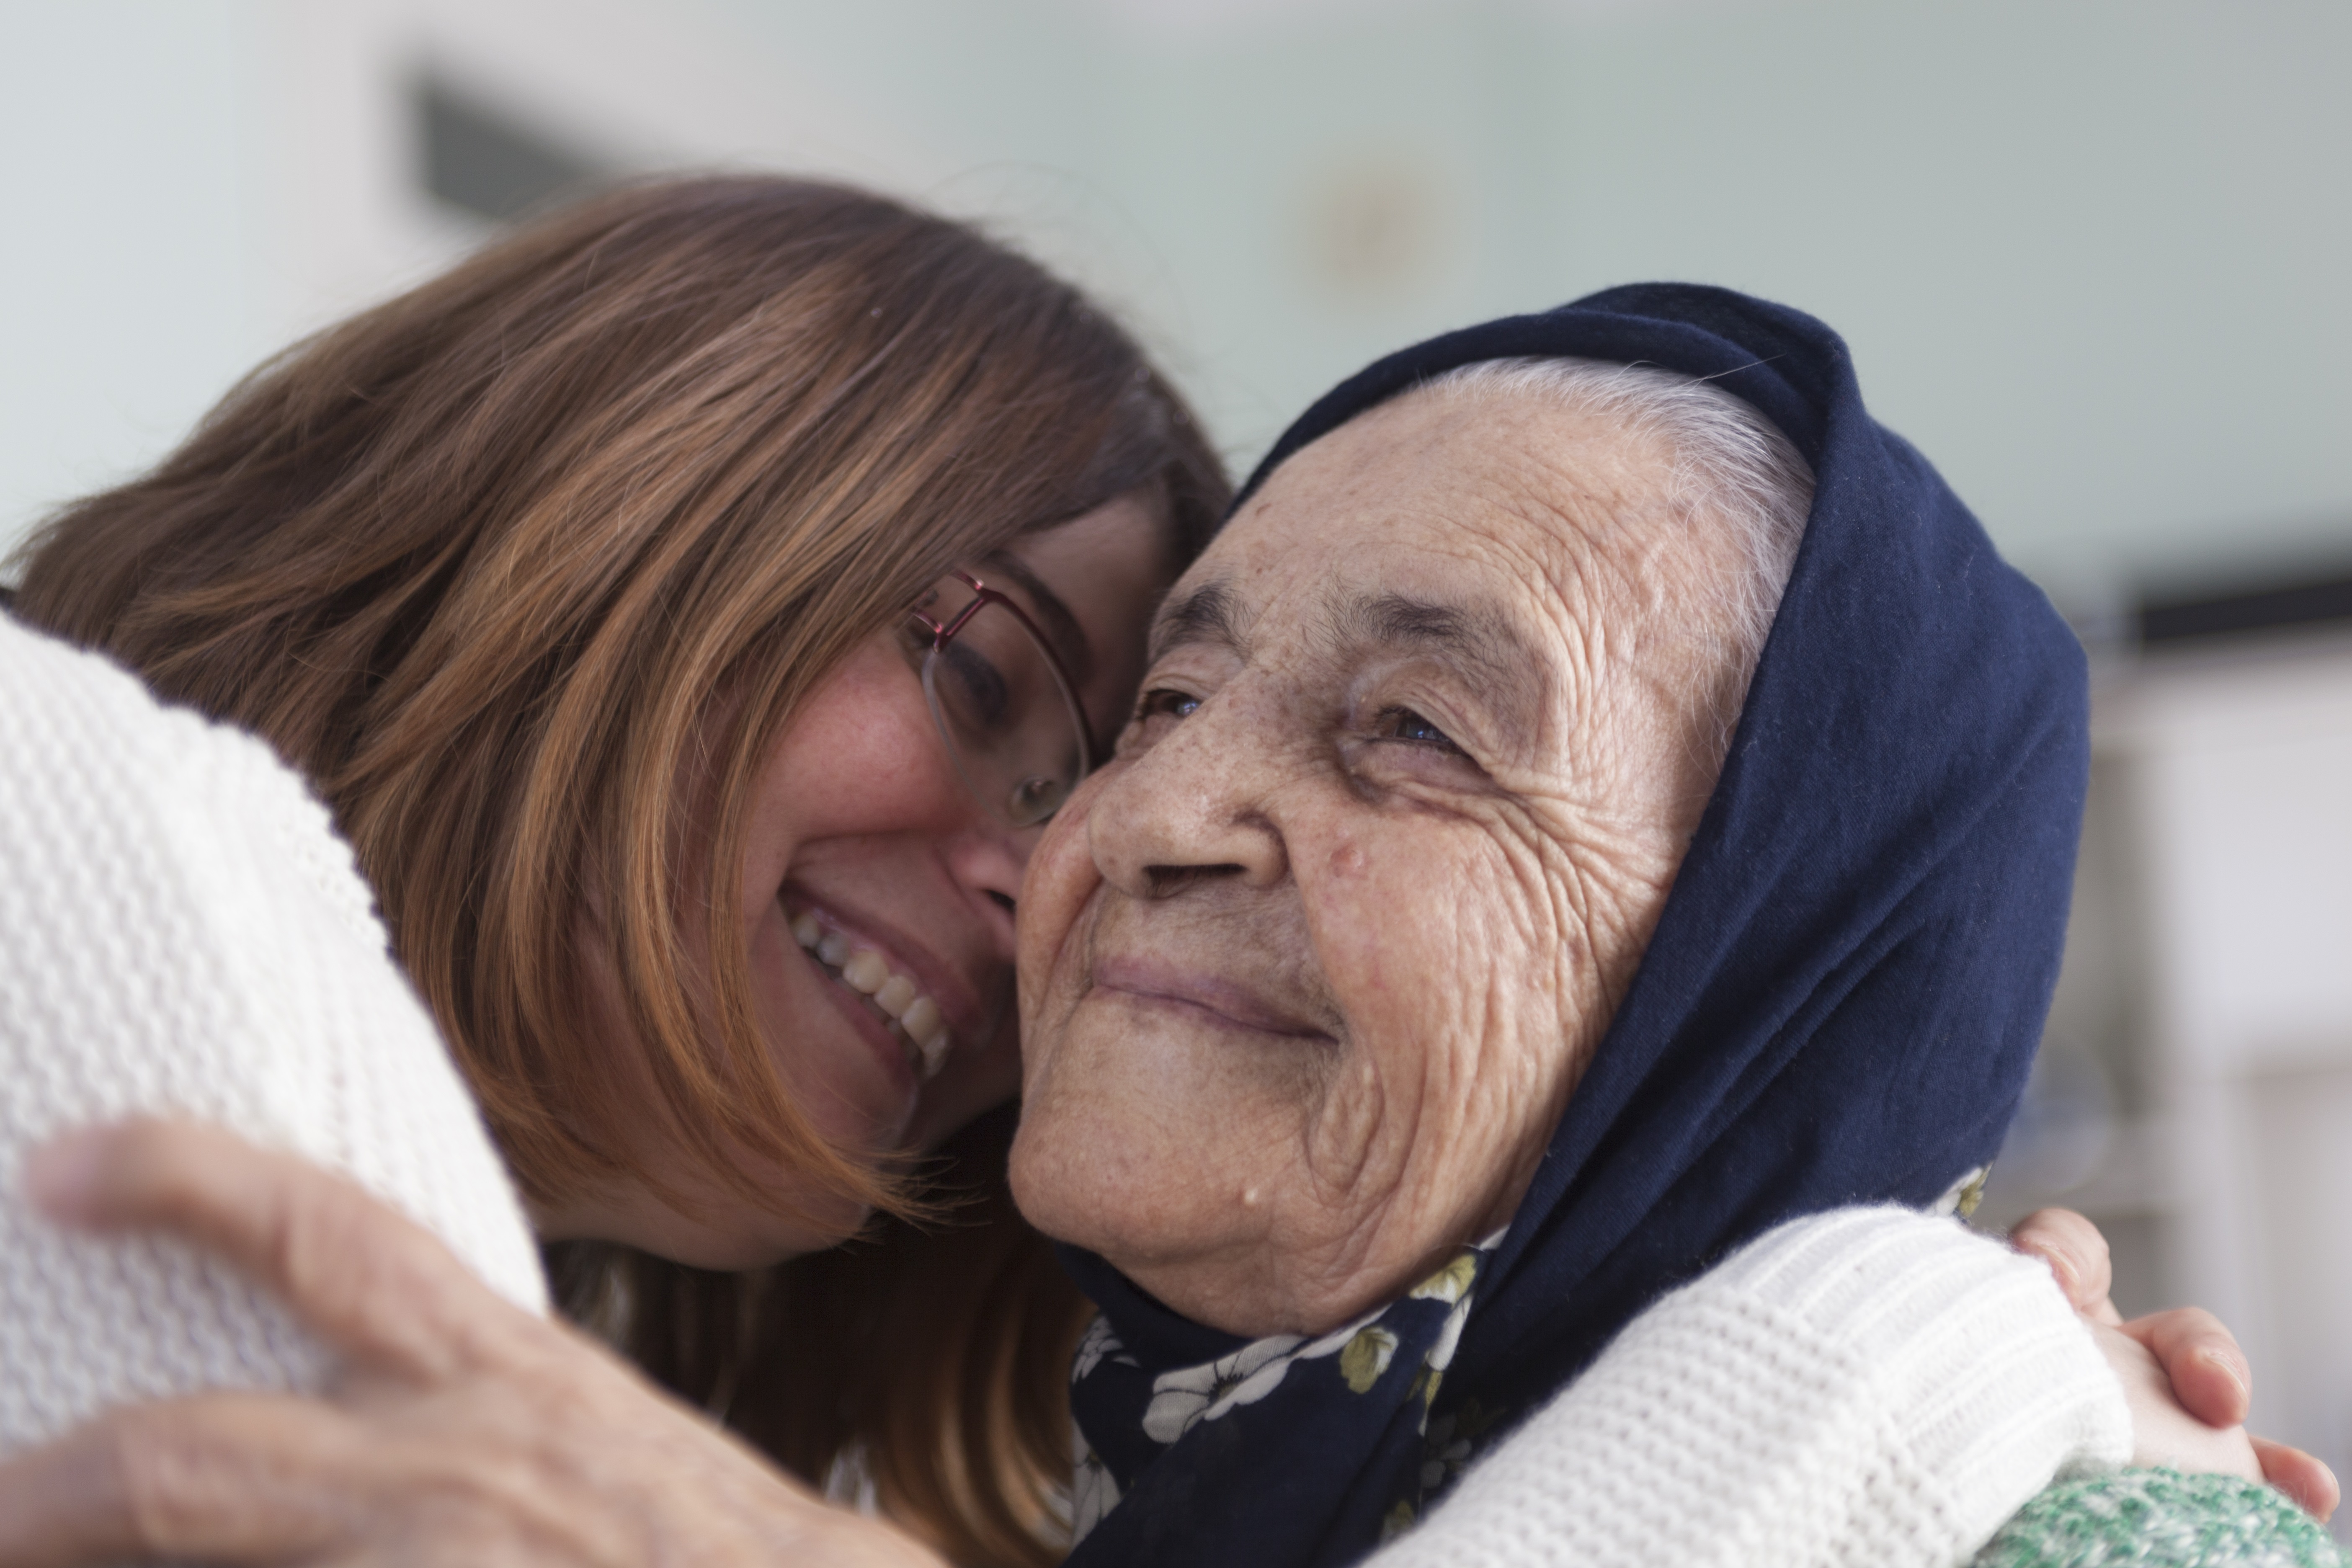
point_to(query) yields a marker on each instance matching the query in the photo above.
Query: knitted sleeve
(181, 933)
(1872, 1387)
(2160, 1518)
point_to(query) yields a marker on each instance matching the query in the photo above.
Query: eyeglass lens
(1012, 725)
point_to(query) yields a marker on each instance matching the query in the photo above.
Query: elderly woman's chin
(1162, 1134)
(1207, 1166)
(1095, 1166)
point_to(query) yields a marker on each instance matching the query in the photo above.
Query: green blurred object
(2160, 1518)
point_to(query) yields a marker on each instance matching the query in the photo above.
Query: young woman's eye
(1404, 725)
(971, 689)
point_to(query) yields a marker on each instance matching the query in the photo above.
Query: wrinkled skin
(1310, 969)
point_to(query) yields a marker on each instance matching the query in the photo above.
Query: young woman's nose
(1195, 805)
(986, 861)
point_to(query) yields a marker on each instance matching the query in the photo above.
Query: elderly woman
(1495, 912)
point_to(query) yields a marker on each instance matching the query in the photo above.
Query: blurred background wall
(2091, 254)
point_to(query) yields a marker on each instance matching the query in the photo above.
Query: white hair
(1733, 468)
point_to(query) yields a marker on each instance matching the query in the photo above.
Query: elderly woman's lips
(1224, 1001)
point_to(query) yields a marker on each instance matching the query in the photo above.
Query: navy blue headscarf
(1839, 1004)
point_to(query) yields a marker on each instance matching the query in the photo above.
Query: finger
(2077, 1256)
(2302, 1477)
(222, 1478)
(2210, 1375)
(363, 1277)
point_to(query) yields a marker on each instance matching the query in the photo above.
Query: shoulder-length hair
(501, 561)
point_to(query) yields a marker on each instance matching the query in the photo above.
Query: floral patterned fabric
(1374, 1379)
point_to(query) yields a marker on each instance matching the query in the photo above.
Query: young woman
(616, 591)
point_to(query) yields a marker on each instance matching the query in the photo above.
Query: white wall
(128, 293)
(2090, 255)
(2089, 252)
(190, 184)
(2241, 766)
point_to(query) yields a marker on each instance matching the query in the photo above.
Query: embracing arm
(465, 1429)
(462, 1429)
(1871, 1387)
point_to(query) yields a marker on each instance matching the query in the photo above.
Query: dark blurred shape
(489, 162)
(2277, 606)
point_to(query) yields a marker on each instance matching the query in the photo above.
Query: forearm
(1869, 1387)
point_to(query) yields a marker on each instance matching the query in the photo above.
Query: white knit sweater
(180, 930)
(1870, 1388)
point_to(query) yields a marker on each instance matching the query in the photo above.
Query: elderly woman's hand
(2189, 1384)
(462, 1430)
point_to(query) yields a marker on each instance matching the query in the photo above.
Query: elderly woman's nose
(1192, 806)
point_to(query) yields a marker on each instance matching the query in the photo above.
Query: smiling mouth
(1227, 1006)
(913, 1019)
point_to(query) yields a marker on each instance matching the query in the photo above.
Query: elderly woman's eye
(1404, 725)
(1166, 703)
(1155, 710)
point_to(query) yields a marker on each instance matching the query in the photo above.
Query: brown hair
(480, 561)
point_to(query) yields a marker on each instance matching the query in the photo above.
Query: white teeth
(866, 970)
(919, 1019)
(934, 1048)
(897, 994)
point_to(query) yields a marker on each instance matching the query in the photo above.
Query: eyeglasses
(1003, 702)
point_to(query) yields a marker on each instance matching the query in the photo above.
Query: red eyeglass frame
(944, 632)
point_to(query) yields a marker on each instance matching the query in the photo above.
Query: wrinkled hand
(462, 1430)
(2173, 1365)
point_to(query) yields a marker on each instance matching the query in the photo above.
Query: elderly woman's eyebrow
(1510, 672)
(1206, 615)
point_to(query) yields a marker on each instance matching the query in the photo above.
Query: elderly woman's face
(1309, 970)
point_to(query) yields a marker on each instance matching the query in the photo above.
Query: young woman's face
(862, 835)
